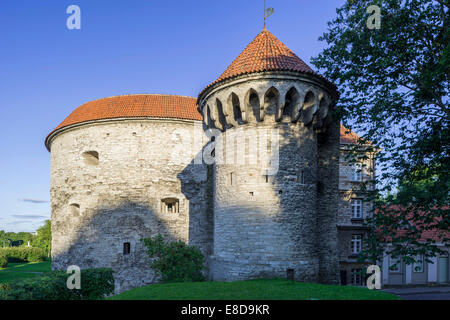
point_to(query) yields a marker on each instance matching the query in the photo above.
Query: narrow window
(231, 178)
(356, 208)
(356, 243)
(126, 248)
(75, 209)
(91, 158)
(418, 265)
(357, 172)
(170, 205)
(395, 264)
(301, 176)
(356, 277)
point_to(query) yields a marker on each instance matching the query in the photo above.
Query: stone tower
(276, 212)
(120, 172)
(130, 167)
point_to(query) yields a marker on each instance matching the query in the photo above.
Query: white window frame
(174, 204)
(397, 262)
(357, 172)
(356, 243)
(357, 204)
(356, 275)
(419, 263)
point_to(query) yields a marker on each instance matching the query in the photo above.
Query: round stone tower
(121, 171)
(276, 166)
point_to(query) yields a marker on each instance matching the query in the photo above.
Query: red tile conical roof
(264, 53)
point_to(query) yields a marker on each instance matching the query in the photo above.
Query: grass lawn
(15, 271)
(276, 289)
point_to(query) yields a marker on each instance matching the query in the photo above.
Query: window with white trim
(418, 265)
(356, 277)
(356, 208)
(357, 172)
(395, 264)
(356, 243)
(170, 205)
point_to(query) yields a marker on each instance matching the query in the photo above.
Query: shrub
(175, 261)
(95, 284)
(23, 254)
(3, 260)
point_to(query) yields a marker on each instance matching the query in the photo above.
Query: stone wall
(262, 226)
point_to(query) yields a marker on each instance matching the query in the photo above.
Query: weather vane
(267, 13)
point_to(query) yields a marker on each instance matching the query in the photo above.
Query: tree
(4, 241)
(43, 238)
(394, 85)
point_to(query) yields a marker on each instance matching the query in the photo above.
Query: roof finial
(267, 13)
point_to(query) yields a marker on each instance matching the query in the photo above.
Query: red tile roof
(427, 230)
(265, 53)
(133, 106)
(347, 136)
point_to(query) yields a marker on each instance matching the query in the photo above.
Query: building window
(356, 243)
(126, 248)
(231, 181)
(357, 277)
(170, 205)
(356, 208)
(418, 265)
(301, 176)
(91, 158)
(75, 209)
(395, 264)
(357, 172)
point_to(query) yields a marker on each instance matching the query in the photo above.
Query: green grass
(276, 289)
(17, 271)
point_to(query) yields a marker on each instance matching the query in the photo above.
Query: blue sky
(123, 47)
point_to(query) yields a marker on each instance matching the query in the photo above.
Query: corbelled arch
(292, 104)
(236, 114)
(310, 106)
(253, 105)
(221, 120)
(271, 102)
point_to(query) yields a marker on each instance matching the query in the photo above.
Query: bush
(95, 284)
(175, 261)
(23, 254)
(3, 260)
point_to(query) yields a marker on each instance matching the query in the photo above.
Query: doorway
(443, 268)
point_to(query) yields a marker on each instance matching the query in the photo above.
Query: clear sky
(123, 47)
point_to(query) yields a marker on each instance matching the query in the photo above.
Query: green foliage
(95, 284)
(261, 289)
(175, 261)
(43, 238)
(394, 85)
(3, 260)
(23, 254)
(14, 239)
